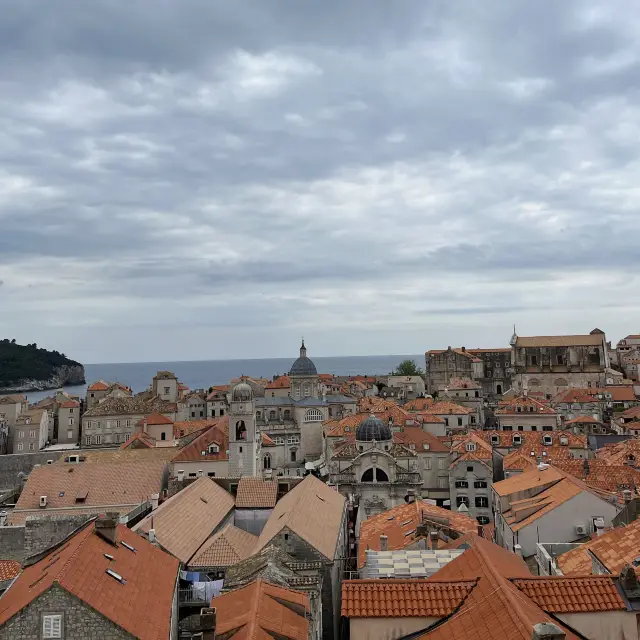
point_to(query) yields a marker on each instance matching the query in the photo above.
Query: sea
(201, 374)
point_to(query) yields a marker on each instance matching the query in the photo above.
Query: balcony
(343, 478)
(408, 478)
(192, 597)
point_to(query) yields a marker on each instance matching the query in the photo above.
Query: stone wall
(12, 464)
(79, 621)
(12, 543)
(41, 534)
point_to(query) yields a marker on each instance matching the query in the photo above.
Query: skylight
(128, 546)
(116, 576)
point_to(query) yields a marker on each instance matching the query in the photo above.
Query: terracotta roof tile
(9, 569)
(139, 439)
(419, 438)
(228, 546)
(561, 341)
(627, 451)
(403, 598)
(400, 523)
(447, 408)
(157, 418)
(256, 493)
(184, 428)
(526, 404)
(583, 420)
(572, 595)
(100, 385)
(109, 484)
(281, 382)
(311, 510)
(602, 475)
(464, 383)
(184, 521)
(614, 549)
(419, 404)
(79, 567)
(262, 611)
(70, 404)
(218, 434)
(130, 405)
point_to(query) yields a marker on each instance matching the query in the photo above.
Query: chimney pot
(433, 536)
(155, 497)
(517, 549)
(384, 543)
(106, 526)
(152, 535)
(547, 631)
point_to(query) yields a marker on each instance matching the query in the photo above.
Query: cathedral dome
(373, 429)
(303, 366)
(242, 393)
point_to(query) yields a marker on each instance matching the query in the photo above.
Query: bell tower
(244, 445)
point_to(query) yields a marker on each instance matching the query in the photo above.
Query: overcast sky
(201, 179)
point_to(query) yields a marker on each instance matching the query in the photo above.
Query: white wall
(558, 525)
(609, 625)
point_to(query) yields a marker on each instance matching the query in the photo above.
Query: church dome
(373, 429)
(242, 393)
(303, 366)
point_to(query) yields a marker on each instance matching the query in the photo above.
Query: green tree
(407, 368)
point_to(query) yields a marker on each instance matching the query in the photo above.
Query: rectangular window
(20, 434)
(547, 428)
(459, 422)
(127, 436)
(117, 424)
(32, 433)
(442, 483)
(97, 439)
(507, 428)
(462, 500)
(442, 463)
(534, 428)
(87, 440)
(462, 484)
(482, 503)
(32, 446)
(446, 422)
(166, 390)
(534, 360)
(293, 456)
(69, 434)
(20, 446)
(293, 439)
(427, 464)
(480, 484)
(52, 626)
(71, 422)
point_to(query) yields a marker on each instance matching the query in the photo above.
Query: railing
(345, 478)
(191, 595)
(411, 478)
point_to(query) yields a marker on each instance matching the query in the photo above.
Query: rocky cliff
(29, 368)
(64, 375)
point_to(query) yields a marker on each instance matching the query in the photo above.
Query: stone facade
(470, 483)
(244, 444)
(80, 622)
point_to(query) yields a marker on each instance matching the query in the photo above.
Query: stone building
(489, 367)
(244, 438)
(293, 423)
(30, 432)
(523, 413)
(547, 365)
(103, 581)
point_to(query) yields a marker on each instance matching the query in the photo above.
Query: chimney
(629, 582)
(152, 535)
(106, 526)
(384, 543)
(517, 549)
(433, 536)
(547, 631)
(626, 494)
(180, 475)
(155, 497)
(208, 623)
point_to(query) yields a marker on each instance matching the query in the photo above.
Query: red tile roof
(572, 595)
(70, 404)
(256, 493)
(139, 440)
(157, 418)
(183, 428)
(262, 611)
(281, 382)
(419, 438)
(101, 385)
(583, 420)
(403, 598)
(228, 546)
(9, 569)
(142, 606)
(400, 523)
(217, 434)
(419, 404)
(447, 408)
(526, 404)
(495, 608)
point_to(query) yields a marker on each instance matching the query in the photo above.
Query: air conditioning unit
(43, 501)
(581, 530)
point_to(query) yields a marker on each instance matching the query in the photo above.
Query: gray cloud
(211, 179)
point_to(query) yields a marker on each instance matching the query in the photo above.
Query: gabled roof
(70, 404)
(586, 594)
(100, 485)
(217, 434)
(396, 598)
(602, 476)
(281, 382)
(157, 419)
(589, 340)
(583, 420)
(142, 605)
(14, 398)
(129, 405)
(228, 546)
(100, 385)
(445, 407)
(262, 610)
(183, 428)
(419, 438)
(528, 406)
(627, 451)
(139, 440)
(184, 521)
(418, 404)
(464, 383)
(400, 526)
(528, 480)
(614, 549)
(311, 510)
(495, 608)
(256, 493)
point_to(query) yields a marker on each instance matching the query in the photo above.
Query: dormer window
(214, 448)
(519, 409)
(470, 446)
(495, 439)
(548, 440)
(425, 446)
(517, 439)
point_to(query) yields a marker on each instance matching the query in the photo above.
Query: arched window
(367, 476)
(287, 414)
(272, 414)
(241, 430)
(266, 461)
(560, 382)
(313, 415)
(381, 475)
(534, 382)
(499, 389)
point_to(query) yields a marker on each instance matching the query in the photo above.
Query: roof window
(116, 576)
(128, 546)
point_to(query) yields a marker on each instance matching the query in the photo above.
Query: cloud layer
(212, 179)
